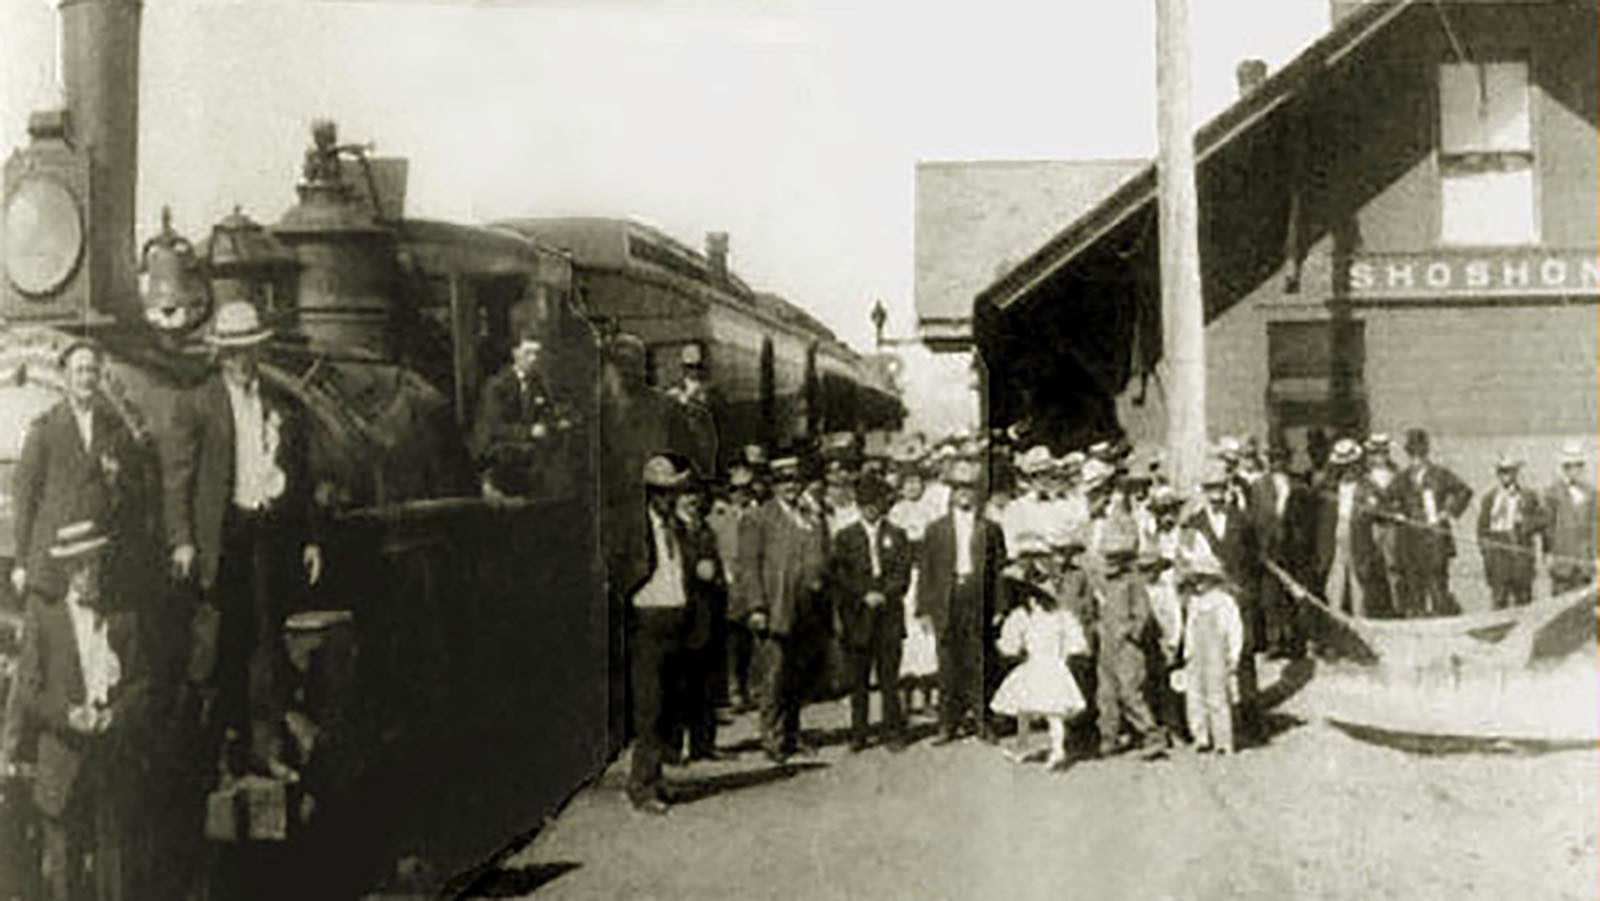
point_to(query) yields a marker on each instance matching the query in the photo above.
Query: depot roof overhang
(1233, 170)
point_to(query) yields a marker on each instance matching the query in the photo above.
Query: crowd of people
(1016, 584)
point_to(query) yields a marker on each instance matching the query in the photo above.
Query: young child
(1213, 642)
(1042, 685)
(1122, 623)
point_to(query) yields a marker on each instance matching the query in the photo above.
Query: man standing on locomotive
(518, 424)
(242, 524)
(76, 459)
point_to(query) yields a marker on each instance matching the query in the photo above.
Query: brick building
(1397, 229)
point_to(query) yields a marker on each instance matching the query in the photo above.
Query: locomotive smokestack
(100, 73)
(717, 253)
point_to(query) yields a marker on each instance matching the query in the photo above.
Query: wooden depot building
(1397, 229)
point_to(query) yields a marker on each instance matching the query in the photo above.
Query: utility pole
(1182, 309)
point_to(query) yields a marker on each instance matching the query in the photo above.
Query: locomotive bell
(248, 264)
(172, 285)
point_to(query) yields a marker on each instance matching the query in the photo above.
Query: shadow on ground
(1443, 745)
(516, 882)
(688, 791)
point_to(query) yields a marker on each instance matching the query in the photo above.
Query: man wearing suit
(1569, 525)
(659, 617)
(241, 524)
(519, 424)
(704, 632)
(958, 592)
(1430, 497)
(76, 461)
(1278, 519)
(81, 689)
(1508, 519)
(872, 570)
(1348, 566)
(784, 570)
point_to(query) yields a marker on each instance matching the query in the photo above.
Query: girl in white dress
(919, 657)
(1042, 685)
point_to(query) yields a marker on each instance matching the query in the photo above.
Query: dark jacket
(197, 458)
(1569, 530)
(51, 679)
(784, 568)
(708, 595)
(1369, 504)
(1283, 538)
(936, 574)
(506, 414)
(853, 579)
(1236, 547)
(58, 482)
(1419, 541)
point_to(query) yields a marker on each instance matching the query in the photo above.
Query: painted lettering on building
(1461, 275)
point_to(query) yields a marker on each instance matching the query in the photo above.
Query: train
(459, 658)
(778, 375)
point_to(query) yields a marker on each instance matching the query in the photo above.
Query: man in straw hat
(958, 592)
(1569, 524)
(242, 526)
(783, 566)
(81, 687)
(1348, 570)
(658, 617)
(1508, 520)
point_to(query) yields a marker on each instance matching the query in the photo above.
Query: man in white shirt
(658, 609)
(1508, 519)
(242, 525)
(81, 689)
(958, 595)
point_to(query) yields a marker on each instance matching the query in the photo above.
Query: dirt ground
(1316, 812)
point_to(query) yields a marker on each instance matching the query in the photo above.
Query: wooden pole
(1182, 309)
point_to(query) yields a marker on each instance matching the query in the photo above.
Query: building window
(1486, 169)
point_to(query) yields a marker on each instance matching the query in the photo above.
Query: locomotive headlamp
(43, 236)
(175, 294)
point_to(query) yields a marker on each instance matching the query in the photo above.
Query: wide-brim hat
(964, 474)
(667, 471)
(755, 455)
(1345, 451)
(786, 469)
(237, 324)
(1507, 463)
(1229, 448)
(839, 447)
(1031, 544)
(1213, 473)
(1072, 463)
(77, 539)
(1163, 497)
(1097, 473)
(740, 476)
(1377, 442)
(1572, 454)
(1036, 461)
(1119, 538)
(1202, 565)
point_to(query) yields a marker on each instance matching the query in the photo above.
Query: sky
(794, 125)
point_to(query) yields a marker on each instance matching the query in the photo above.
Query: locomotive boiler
(453, 628)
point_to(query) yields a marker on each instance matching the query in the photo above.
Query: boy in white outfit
(1213, 642)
